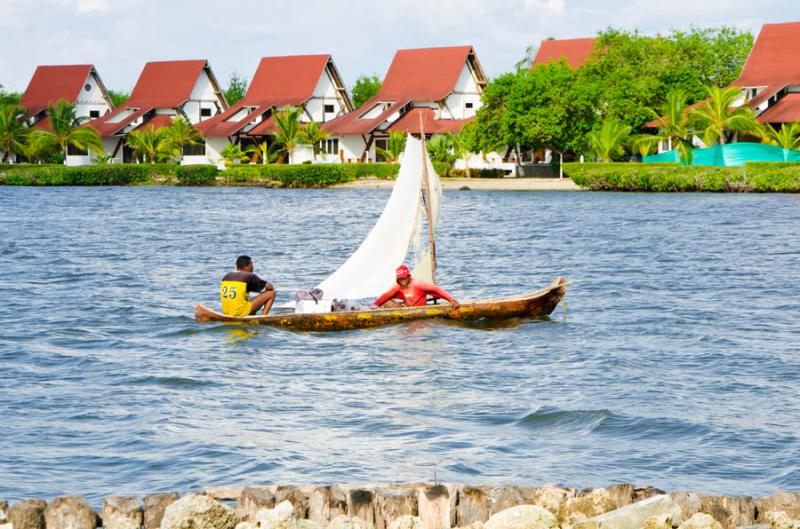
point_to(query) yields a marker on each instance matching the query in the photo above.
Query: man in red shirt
(409, 292)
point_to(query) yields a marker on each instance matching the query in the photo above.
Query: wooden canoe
(532, 305)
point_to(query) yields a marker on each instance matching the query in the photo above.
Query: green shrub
(197, 175)
(309, 175)
(85, 175)
(670, 177)
(478, 173)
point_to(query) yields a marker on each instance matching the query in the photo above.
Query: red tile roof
(409, 122)
(354, 124)
(158, 121)
(286, 80)
(775, 57)
(425, 74)
(786, 110)
(166, 84)
(51, 83)
(219, 126)
(266, 126)
(575, 51)
(108, 129)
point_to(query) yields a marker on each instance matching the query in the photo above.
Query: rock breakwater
(411, 506)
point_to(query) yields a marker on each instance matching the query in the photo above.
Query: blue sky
(118, 36)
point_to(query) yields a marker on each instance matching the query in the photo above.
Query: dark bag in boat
(346, 305)
(315, 294)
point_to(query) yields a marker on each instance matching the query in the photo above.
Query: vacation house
(770, 80)
(443, 86)
(575, 51)
(77, 84)
(164, 90)
(309, 82)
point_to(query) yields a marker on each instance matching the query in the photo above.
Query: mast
(426, 190)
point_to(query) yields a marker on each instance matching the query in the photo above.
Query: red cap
(402, 271)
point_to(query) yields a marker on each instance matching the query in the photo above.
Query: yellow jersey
(234, 292)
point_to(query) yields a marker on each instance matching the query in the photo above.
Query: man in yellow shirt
(236, 287)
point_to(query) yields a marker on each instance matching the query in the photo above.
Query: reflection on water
(661, 374)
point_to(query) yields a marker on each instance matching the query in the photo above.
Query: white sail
(370, 271)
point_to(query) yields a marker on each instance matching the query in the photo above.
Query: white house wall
(324, 94)
(466, 91)
(92, 99)
(351, 147)
(202, 96)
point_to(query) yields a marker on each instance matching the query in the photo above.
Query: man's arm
(438, 292)
(386, 296)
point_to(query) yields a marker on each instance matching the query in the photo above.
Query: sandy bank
(478, 184)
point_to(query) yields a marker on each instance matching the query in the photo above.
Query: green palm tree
(674, 124)
(313, 134)
(264, 152)
(41, 145)
(148, 145)
(179, 135)
(395, 146)
(67, 129)
(608, 141)
(460, 149)
(13, 132)
(644, 144)
(440, 149)
(788, 136)
(717, 117)
(288, 134)
(233, 152)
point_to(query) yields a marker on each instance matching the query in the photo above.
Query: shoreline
(476, 184)
(431, 505)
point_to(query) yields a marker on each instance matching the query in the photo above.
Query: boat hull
(532, 305)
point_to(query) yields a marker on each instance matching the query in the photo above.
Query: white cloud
(89, 6)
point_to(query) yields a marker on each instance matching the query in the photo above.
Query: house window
(94, 114)
(330, 109)
(205, 112)
(380, 146)
(88, 87)
(329, 146)
(469, 105)
(74, 151)
(195, 150)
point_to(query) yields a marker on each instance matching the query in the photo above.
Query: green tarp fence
(733, 155)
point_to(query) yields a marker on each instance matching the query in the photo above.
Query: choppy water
(678, 365)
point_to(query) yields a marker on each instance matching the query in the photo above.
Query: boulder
(392, 503)
(3, 511)
(788, 502)
(549, 497)
(154, 507)
(251, 500)
(69, 512)
(731, 512)
(474, 505)
(283, 516)
(436, 506)
(780, 520)
(326, 503)
(27, 514)
(194, 511)
(621, 494)
(635, 515)
(662, 521)
(642, 493)
(503, 498)
(122, 512)
(406, 522)
(522, 517)
(700, 520)
(587, 504)
(344, 521)
(224, 492)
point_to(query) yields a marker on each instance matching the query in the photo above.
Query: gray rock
(27, 514)
(436, 505)
(635, 515)
(251, 500)
(359, 505)
(392, 503)
(731, 512)
(700, 521)
(549, 497)
(154, 507)
(282, 516)
(474, 505)
(326, 503)
(195, 511)
(522, 517)
(69, 512)
(122, 512)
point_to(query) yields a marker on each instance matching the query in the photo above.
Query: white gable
(91, 99)
(466, 97)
